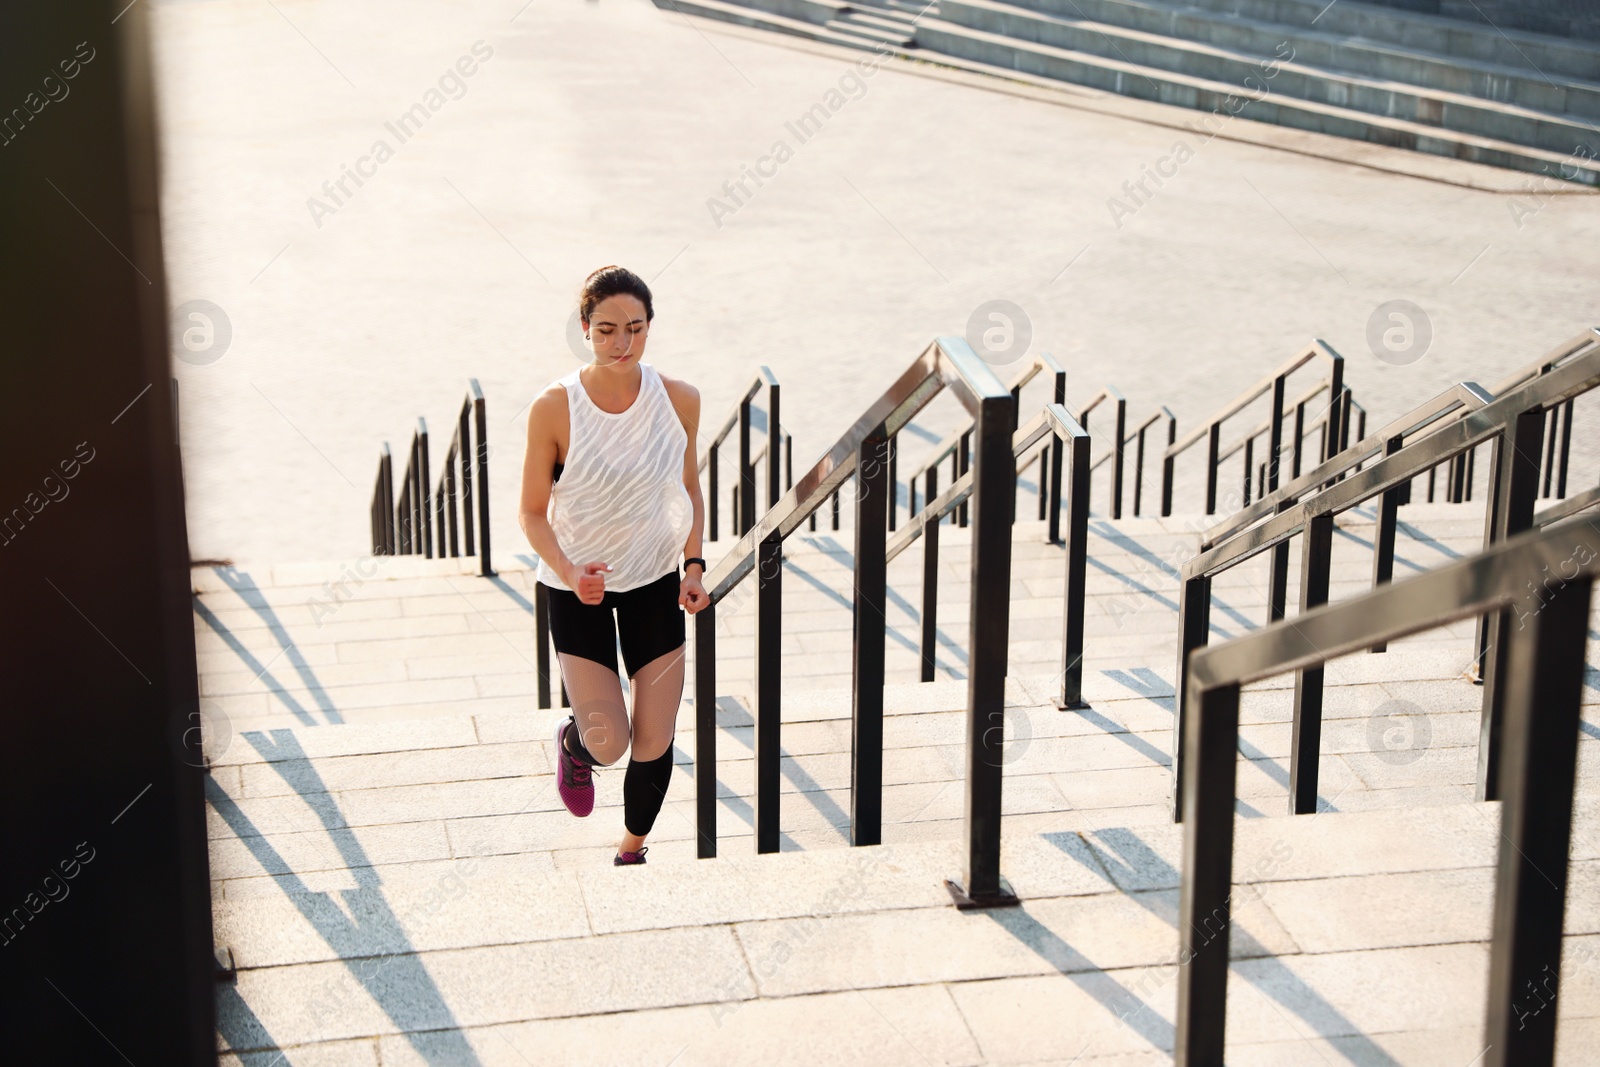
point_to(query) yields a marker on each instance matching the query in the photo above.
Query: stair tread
(1205, 48)
(1414, 129)
(1341, 39)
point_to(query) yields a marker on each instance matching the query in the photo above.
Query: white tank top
(620, 497)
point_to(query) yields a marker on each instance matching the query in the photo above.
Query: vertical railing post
(480, 416)
(993, 482)
(1510, 511)
(1278, 576)
(712, 502)
(1275, 435)
(1553, 417)
(1213, 449)
(774, 446)
(1344, 422)
(388, 500)
(1117, 460)
(424, 484)
(1299, 437)
(1194, 631)
(868, 641)
(1383, 538)
(930, 595)
(1138, 471)
(1167, 465)
(439, 513)
(746, 506)
(1077, 561)
(1249, 467)
(1336, 399)
(964, 455)
(1059, 396)
(541, 640)
(892, 503)
(1044, 482)
(1305, 746)
(452, 495)
(1566, 450)
(768, 691)
(469, 456)
(1205, 896)
(1538, 772)
(705, 731)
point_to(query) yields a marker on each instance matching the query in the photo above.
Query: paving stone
(402, 736)
(461, 909)
(910, 1027)
(378, 771)
(920, 946)
(444, 990)
(287, 854)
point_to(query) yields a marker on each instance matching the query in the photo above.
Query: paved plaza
(597, 132)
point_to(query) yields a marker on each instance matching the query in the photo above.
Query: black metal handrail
(1274, 383)
(381, 511)
(465, 473)
(1137, 435)
(431, 523)
(1063, 430)
(1558, 429)
(862, 451)
(1513, 423)
(1451, 403)
(956, 448)
(744, 493)
(1543, 684)
(1118, 438)
(413, 516)
(1569, 507)
(1256, 474)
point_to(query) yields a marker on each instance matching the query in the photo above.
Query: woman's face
(617, 330)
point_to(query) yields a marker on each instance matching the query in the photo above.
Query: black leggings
(650, 625)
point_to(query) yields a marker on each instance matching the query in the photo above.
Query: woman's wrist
(694, 561)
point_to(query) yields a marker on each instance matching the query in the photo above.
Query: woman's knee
(604, 731)
(650, 747)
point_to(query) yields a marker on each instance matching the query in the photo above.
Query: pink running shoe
(623, 859)
(573, 776)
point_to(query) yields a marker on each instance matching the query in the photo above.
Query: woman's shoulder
(680, 391)
(550, 406)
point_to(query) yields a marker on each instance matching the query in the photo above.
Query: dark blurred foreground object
(105, 917)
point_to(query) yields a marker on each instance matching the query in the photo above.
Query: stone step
(873, 28)
(1424, 121)
(1206, 94)
(390, 648)
(417, 792)
(775, 16)
(1425, 33)
(1332, 50)
(1256, 65)
(695, 961)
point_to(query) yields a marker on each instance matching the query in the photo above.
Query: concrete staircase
(397, 881)
(1425, 82)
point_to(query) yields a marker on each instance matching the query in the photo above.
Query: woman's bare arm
(546, 420)
(686, 401)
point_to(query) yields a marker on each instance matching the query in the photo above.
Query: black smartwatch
(693, 559)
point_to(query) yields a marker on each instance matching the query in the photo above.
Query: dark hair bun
(610, 281)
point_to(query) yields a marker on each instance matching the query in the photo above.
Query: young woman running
(612, 446)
